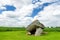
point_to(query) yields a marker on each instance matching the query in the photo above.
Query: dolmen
(35, 28)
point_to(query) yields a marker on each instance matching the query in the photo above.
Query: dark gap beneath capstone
(33, 32)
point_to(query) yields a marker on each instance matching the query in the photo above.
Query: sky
(16, 13)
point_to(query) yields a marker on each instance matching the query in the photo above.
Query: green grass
(21, 35)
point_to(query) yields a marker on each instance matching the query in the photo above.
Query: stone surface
(35, 27)
(38, 32)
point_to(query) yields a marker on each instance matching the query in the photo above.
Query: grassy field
(21, 35)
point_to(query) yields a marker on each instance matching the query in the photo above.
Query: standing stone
(38, 32)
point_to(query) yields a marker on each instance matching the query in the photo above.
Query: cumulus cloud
(19, 16)
(17, 3)
(48, 1)
(50, 16)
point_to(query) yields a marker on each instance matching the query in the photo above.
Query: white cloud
(2, 8)
(11, 18)
(17, 3)
(18, 17)
(50, 16)
(45, 1)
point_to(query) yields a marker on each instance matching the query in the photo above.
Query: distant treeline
(55, 29)
(12, 29)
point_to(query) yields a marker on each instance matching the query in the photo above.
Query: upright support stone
(38, 32)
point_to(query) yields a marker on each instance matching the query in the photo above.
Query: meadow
(19, 33)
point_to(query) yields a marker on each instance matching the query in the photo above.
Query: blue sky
(39, 8)
(23, 12)
(35, 10)
(8, 8)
